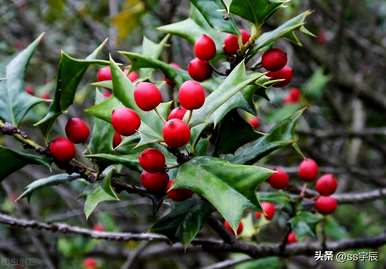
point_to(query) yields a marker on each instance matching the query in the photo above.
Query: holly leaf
(70, 73)
(128, 160)
(151, 50)
(215, 14)
(46, 182)
(184, 221)
(12, 161)
(95, 197)
(304, 224)
(255, 11)
(14, 101)
(281, 135)
(230, 188)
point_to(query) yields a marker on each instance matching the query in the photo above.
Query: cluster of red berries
(63, 149)
(275, 61)
(293, 96)
(154, 177)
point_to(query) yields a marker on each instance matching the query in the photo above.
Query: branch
(344, 133)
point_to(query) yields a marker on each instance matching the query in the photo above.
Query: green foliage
(304, 224)
(313, 88)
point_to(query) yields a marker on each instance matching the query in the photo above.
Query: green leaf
(230, 188)
(283, 30)
(277, 197)
(14, 101)
(281, 135)
(334, 229)
(106, 184)
(314, 86)
(262, 263)
(255, 11)
(304, 224)
(95, 197)
(184, 222)
(128, 160)
(70, 73)
(214, 12)
(12, 161)
(151, 50)
(138, 61)
(45, 182)
(104, 109)
(281, 113)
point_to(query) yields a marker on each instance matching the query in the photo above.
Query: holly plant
(187, 138)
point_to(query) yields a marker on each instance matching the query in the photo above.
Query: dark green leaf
(45, 182)
(281, 135)
(95, 197)
(263, 263)
(12, 161)
(255, 11)
(70, 73)
(230, 188)
(14, 101)
(277, 197)
(106, 184)
(334, 229)
(304, 224)
(152, 50)
(281, 113)
(129, 160)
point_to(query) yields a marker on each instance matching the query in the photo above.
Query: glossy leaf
(304, 224)
(281, 135)
(184, 221)
(230, 188)
(255, 11)
(14, 101)
(129, 160)
(152, 50)
(70, 73)
(45, 182)
(95, 197)
(214, 12)
(106, 184)
(12, 161)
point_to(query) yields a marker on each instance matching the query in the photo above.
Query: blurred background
(340, 73)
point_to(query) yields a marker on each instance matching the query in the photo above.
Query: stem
(189, 116)
(159, 115)
(303, 191)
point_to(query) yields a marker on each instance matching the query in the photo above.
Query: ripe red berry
(147, 96)
(46, 96)
(152, 160)
(176, 133)
(90, 263)
(62, 149)
(107, 93)
(133, 76)
(205, 48)
(293, 96)
(274, 59)
(231, 42)
(104, 73)
(285, 74)
(99, 227)
(269, 210)
(154, 182)
(308, 170)
(125, 121)
(77, 130)
(199, 70)
(279, 179)
(326, 184)
(29, 90)
(117, 139)
(254, 122)
(191, 95)
(325, 204)
(291, 238)
(244, 35)
(229, 229)
(321, 38)
(178, 194)
(177, 113)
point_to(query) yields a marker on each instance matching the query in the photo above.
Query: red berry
(205, 48)
(244, 35)
(269, 210)
(125, 121)
(279, 179)
(147, 96)
(62, 149)
(308, 170)
(229, 229)
(191, 95)
(77, 130)
(285, 74)
(326, 184)
(274, 59)
(199, 70)
(104, 73)
(321, 38)
(133, 76)
(291, 238)
(46, 96)
(90, 263)
(176, 133)
(325, 204)
(99, 227)
(254, 122)
(154, 182)
(177, 113)
(231, 44)
(293, 96)
(152, 160)
(107, 93)
(29, 90)
(178, 194)
(117, 139)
